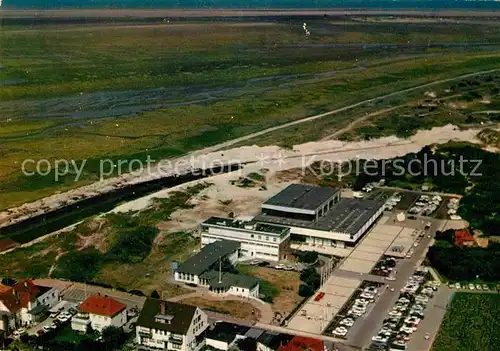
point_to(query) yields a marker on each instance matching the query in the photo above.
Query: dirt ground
(286, 282)
(238, 309)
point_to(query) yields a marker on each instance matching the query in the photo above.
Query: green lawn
(471, 323)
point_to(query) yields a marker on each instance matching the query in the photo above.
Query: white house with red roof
(99, 312)
(24, 304)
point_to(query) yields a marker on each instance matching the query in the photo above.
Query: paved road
(361, 333)
(434, 314)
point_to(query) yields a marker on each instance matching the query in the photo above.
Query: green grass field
(471, 323)
(86, 93)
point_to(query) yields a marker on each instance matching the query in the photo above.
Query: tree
(307, 256)
(113, 337)
(155, 294)
(305, 290)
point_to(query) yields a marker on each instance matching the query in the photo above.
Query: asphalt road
(434, 314)
(362, 332)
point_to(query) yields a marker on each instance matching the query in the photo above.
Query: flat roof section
(346, 216)
(302, 196)
(247, 225)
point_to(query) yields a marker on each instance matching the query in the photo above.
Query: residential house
(10, 307)
(224, 334)
(99, 312)
(25, 304)
(464, 238)
(228, 283)
(35, 301)
(204, 268)
(207, 259)
(272, 341)
(171, 326)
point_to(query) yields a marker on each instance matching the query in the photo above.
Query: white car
(340, 331)
(46, 328)
(348, 322)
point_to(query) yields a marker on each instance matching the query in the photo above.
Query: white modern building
(258, 240)
(99, 312)
(170, 326)
(319, 216)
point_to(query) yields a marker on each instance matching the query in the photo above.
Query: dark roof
(207, 256)
(347, 216)
(228, 280)
(274, 340)
(302, 196)
(226, 332)
(182, 316)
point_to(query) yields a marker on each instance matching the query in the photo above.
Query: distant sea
(253, 4)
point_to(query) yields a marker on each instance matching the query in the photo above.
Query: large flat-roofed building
(301, 201)
(258, 240)
(319, 216)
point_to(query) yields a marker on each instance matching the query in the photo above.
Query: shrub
(80, 266)
(133, 246)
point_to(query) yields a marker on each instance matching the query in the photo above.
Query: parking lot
(355, 309)
(406, 314)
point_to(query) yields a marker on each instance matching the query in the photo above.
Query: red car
(319, 296)
(40, 332)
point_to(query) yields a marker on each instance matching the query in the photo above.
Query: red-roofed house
(35, 301)
(99, 312)
(464, 238)
(24, 304)
(10, 308)
(301, 343)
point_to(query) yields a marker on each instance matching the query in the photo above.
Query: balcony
(144, 334)
(81, 319)
(176, 339)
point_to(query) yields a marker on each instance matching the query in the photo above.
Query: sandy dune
(270, 157)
